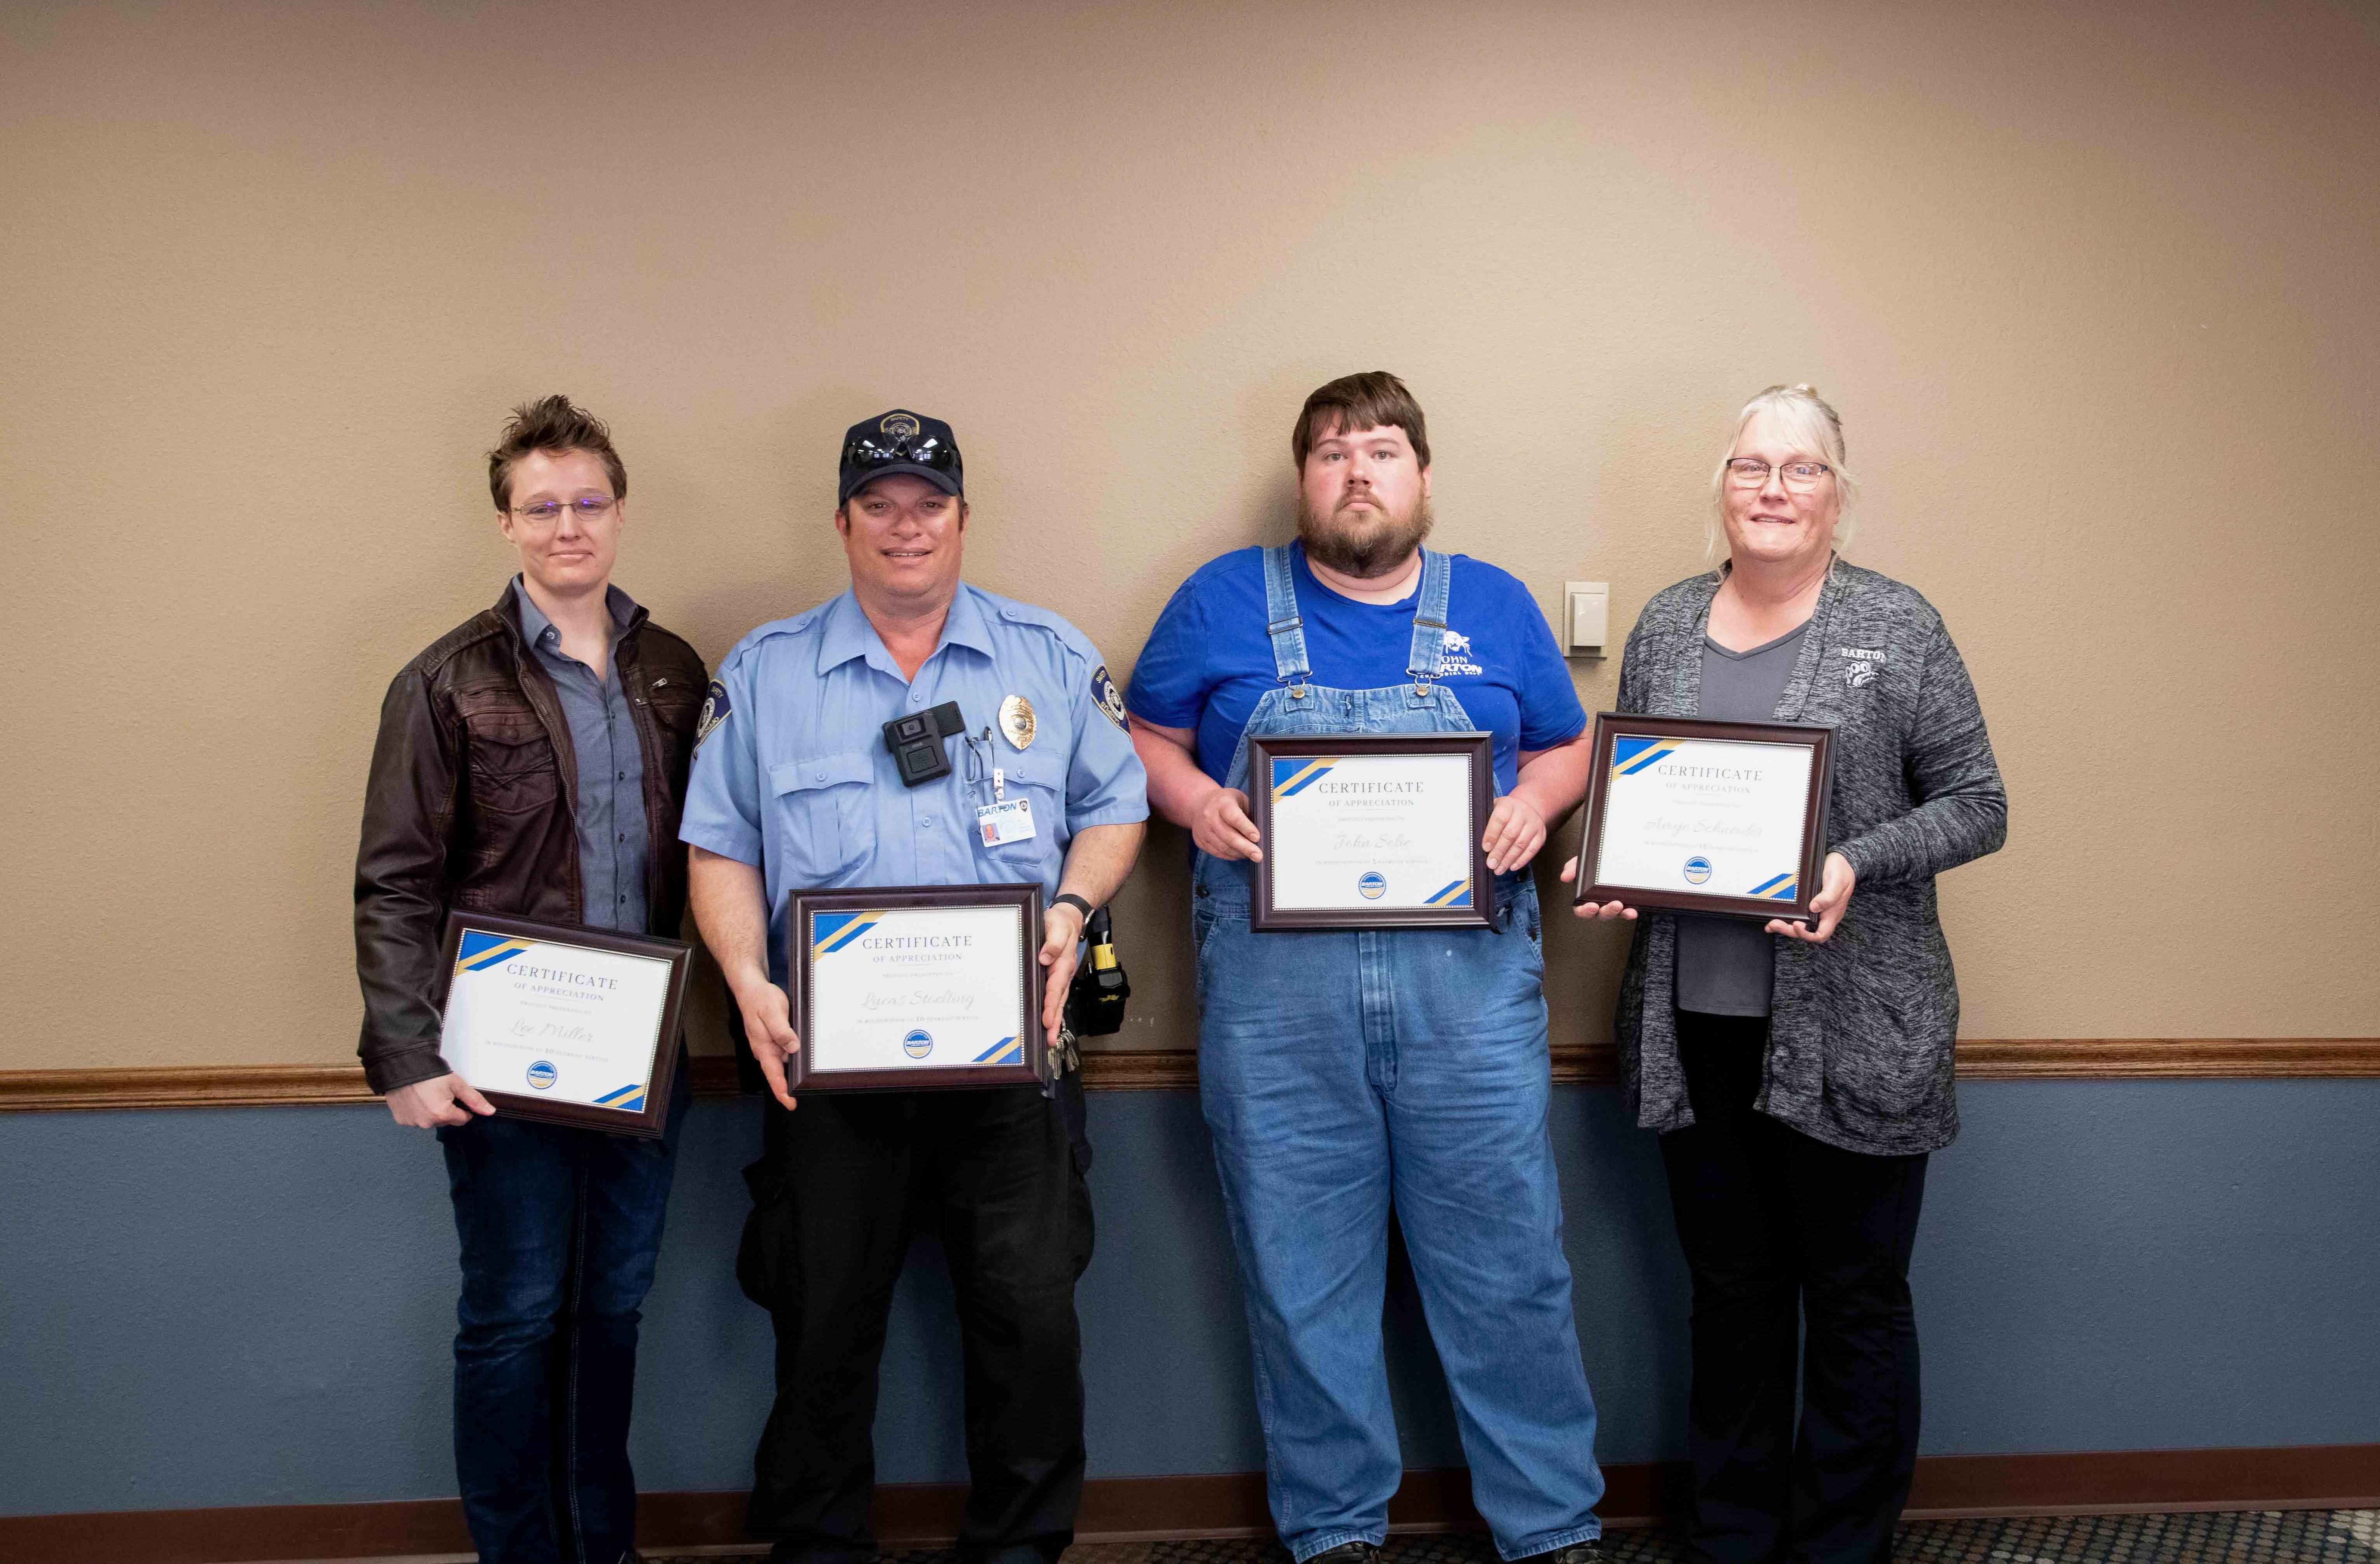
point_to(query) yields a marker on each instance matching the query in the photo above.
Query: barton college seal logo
(1373, 885)
(1697, 869)
(918, 1043)
(542, 1074)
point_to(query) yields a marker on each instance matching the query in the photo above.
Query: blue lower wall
(252, 1306)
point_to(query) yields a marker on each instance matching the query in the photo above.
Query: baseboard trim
(1118, 1509)
(1171, 1070)
(2138, 1482)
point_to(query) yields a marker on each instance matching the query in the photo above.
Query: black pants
(1779, 1228)
(833, 1194)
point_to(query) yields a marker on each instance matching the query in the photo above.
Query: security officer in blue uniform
(794, 785)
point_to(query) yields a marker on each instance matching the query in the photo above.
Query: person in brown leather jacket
(533, 761)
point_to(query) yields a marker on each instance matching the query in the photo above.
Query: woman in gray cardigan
(1799, 1076)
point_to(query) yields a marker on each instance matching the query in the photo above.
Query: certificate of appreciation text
(553, 1021)
(1716, 817)
(1371, 830)
(917, 988)
(1360, 832)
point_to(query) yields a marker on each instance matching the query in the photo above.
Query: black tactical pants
(834, 1195)
(1782, 1230)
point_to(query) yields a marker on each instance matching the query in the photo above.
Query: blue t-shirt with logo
(1208, 662)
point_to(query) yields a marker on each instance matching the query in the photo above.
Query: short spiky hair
(552, 423)
(1353, 403)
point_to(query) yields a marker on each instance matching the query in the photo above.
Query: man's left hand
(1061, 933)
(1515, 831)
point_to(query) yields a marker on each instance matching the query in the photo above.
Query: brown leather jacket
(472, 802)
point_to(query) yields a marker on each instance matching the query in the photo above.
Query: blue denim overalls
(1346, 1071)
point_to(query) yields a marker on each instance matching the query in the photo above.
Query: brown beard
(1380, 548)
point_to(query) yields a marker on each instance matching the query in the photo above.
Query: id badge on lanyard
(1004, 818)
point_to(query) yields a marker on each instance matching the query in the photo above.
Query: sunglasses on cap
(901, 440)
(864, 452)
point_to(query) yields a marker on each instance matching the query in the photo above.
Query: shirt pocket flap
(1034, 771)
(822, 770)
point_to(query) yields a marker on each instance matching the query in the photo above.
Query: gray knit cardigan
(1861, 1028)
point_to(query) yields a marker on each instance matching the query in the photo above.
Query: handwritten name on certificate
(1723, 816)
(559, 1023)
(1353, 831)
(916, 987)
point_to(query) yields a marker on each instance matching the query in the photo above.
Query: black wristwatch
(1069, 898)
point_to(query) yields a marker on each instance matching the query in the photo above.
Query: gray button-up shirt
(614, 837)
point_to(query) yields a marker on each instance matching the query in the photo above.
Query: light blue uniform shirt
(792, 772)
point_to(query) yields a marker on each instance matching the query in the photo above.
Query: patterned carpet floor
(2270, 1536)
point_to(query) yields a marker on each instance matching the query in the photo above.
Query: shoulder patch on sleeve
(1109, 698)
(715, 707)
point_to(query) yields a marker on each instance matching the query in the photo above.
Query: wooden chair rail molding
(2071, 1058)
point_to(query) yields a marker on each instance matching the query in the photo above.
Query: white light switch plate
(1586, 617)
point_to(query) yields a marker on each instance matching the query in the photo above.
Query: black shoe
(1357, 1552)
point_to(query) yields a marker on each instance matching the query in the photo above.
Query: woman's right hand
(1221, 825)
(1594, 909)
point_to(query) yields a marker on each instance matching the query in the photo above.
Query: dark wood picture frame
(1479, 747)
(1032, 1070)
(645, 1122)
(1612, 726)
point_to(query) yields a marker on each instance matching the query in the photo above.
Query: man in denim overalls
(1347, 1073)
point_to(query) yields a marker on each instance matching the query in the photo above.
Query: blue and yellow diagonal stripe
(1779, 888)
(627, 1099)
(1455, 895)
(1291, 778)
(1630, 756)
(1008, 1050)
(830, 932)
(481, 950)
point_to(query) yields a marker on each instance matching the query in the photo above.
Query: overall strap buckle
(1429, 627)
(1420, 676)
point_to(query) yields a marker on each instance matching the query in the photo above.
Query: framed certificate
(1705, 817)
(571, 1026)
(1372, 831)
(915, 986)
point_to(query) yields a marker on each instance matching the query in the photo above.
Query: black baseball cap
(899, 441)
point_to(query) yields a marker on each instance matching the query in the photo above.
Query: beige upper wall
(2093, 291)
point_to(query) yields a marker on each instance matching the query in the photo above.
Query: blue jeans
(1346, 1074)
(560, 1229)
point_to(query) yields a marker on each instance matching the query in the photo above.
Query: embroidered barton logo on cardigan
(1865, 662)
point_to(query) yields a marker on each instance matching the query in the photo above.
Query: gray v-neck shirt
(1727, 965)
